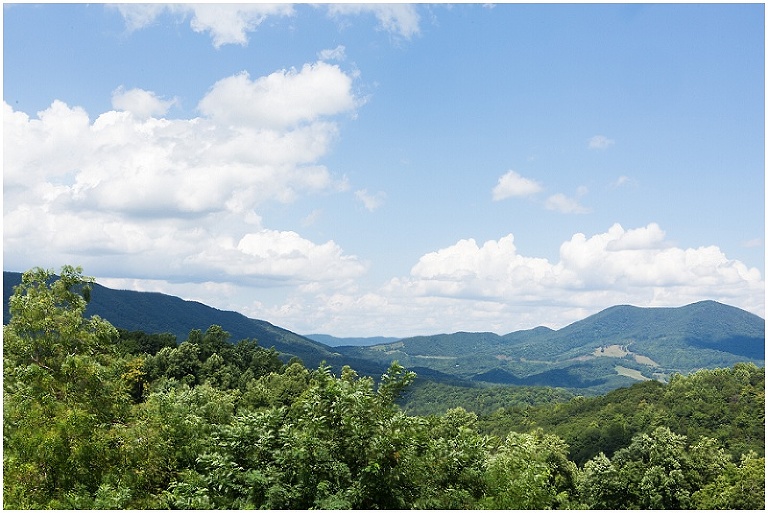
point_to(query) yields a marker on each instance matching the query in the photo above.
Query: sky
(394, 169)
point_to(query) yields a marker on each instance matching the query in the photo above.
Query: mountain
(612, 348)
(153, 312)
(332, 341)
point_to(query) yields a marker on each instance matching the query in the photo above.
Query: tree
(341, 444)
(450, 461)
(530, 471)
(659, 470)
(740, 486)
(61, 392)
(214, 341)
(138, 342)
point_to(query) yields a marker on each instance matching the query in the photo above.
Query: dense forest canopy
(98, 418)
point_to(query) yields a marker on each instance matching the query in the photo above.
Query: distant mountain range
(613, 348)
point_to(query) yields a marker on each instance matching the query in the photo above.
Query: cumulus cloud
(621, 261)
(278, 255)
(398, 19)
(562, 203)
(281, 99)
(511, 184)
(619, 266)
(137, 194)
(140, 103)
(226, 23)
(370, 201)
(229, 23)
(600, 142)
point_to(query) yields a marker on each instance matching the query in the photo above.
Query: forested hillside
(96, 418)
(613, 348)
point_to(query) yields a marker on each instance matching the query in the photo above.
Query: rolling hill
(612, 348)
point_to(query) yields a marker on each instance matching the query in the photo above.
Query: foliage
(724, 404)
(341, 444)
(661, 470)
(530, 471)
(434, 398)
(137, 342)
(60, 391)
(210, 358)
(739, 486)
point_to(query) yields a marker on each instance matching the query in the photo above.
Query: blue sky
(391, 169)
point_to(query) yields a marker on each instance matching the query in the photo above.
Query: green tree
(343, 443)
(449, 461)
(530, 471)
(139, 342)
(61, 392)
(214, 341)
(657, 471)
(739, 486)
(274, 389)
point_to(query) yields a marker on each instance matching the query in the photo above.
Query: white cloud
(623, 181)
(130, 194)
(333, 54)
(562, 203)
(229, 23)
(618, 260)
(278, 255)
(140, 103)
(370, 201)
(281, 99)
(138, 16)
(647, 237)
(398, 19)
(226, 23)
(512, 184)
(600, 142)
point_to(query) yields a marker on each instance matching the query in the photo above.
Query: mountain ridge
(611, 348)
(614, 347)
